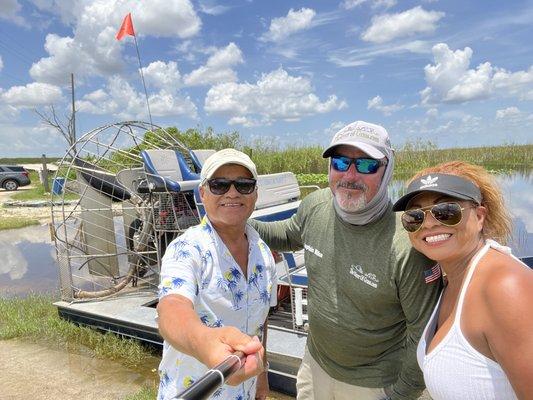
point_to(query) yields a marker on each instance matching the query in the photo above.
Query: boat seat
(275, 189)
(202, 155)
(168, 171)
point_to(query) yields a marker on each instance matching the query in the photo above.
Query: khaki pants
(313, 383)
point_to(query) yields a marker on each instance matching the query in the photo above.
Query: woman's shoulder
(504, 280)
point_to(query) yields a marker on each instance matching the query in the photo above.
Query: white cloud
(66, 55)
(28, 141)
(432, 113)
(376, 103)
(333, 128)
(68, 11)
(212, 8)
(163, 75)
(295, 21)
(9, 10)
(93, 49)
(450, 80)
(8, 113)
(387, 27)
(276, 96)
(32, 95)
(218, 68)
(121, 100)
(1, 64)
(508, 112)
(349, 4)
(518, 84)
(456, 126)
(364, 56)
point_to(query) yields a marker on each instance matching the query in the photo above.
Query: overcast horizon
(458, 74)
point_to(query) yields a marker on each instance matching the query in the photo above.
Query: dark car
(13, 176)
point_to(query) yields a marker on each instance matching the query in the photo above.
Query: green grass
(498, 159)
(34, 317)
(146, 393)
(409, 159)
(37, 192)
(27, 160)
(16, 222)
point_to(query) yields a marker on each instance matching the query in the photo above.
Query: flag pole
(142, 79)
(127, 29)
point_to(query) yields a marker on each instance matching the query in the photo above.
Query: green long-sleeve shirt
(368, 302)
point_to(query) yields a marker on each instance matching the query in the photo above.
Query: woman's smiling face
(440, 242)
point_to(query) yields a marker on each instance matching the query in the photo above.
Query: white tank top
(454, 370)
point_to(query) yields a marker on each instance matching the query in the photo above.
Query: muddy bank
(40, 372)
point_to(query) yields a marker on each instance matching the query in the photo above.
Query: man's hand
(223, 342)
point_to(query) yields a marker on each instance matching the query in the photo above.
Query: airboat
(129, 189)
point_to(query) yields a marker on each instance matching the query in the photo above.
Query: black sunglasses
(362, 165)
(221, 186)
(448, 214)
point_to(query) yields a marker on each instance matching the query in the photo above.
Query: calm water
(28, 256)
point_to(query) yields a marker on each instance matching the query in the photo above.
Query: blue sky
(457, 73)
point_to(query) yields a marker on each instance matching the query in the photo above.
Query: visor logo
(429, 182)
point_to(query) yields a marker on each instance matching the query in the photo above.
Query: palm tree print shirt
(199, 266)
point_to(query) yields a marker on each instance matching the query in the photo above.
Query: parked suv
(13, 176)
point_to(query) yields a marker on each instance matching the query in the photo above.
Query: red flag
(126, 28)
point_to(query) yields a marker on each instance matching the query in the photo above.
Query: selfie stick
(214, 378)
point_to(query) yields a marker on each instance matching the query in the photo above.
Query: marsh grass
(9, 222)
(311, 168)
(35, 317)
(499, 159)
(148, 392)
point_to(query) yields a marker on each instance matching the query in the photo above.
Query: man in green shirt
(368, 300)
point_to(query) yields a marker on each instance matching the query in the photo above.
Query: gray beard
(374, 209)
(349, 203)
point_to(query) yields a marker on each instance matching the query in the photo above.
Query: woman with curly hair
(478, 344)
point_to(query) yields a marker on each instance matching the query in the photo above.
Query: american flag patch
(432, 274)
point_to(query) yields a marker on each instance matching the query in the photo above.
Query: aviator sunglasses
(448, 214)
(362, 165)
(221, 186)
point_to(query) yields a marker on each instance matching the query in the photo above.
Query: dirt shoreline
(43, 214)
(40, 372)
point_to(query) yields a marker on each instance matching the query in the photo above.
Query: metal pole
(73, 130)
(45, 175)
(213, 379)
(142, 79)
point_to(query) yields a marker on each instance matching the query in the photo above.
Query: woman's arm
(509, 328)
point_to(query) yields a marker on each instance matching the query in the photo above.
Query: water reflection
(28, 261)
(518, 195)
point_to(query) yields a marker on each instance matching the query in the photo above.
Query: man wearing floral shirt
(218, 282)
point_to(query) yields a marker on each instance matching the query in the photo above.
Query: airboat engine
(128, 190)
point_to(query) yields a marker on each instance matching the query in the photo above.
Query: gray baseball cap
(450, 185)
(371, 138)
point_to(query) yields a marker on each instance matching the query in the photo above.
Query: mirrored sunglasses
(448, 214)
(362, 165)
(221, 186)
